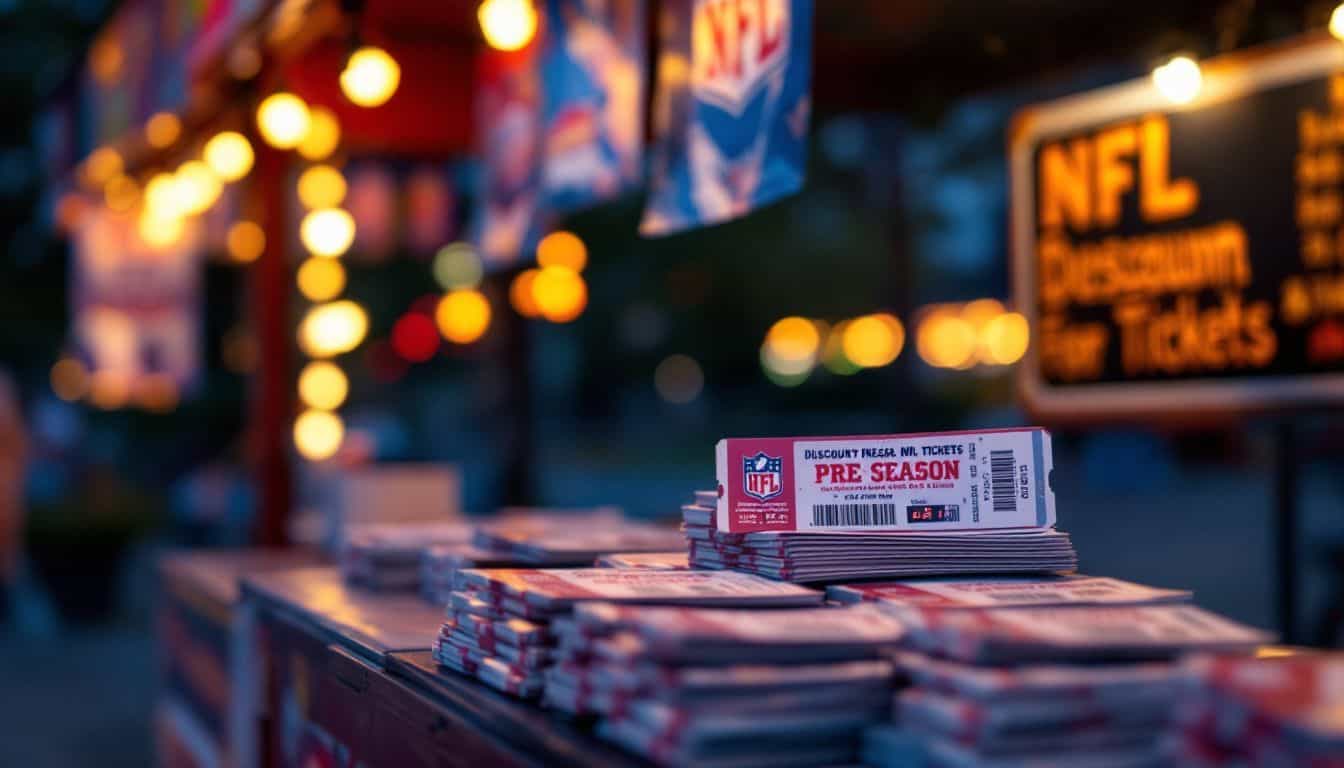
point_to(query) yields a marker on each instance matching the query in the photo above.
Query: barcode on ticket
(1003, 480)
(853, 514)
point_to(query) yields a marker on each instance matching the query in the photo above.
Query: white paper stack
(500, 624)
(1273, 711)
(695, 686)
(1072, 684)
(387, 556)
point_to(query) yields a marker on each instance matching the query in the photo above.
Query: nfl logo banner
(732, 110)
(593, 112)
(990, 479)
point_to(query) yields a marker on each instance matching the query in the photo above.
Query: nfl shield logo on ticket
(762, 476)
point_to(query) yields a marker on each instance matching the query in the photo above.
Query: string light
(1179, 80)
(333, 329)
(318, 434)
(508, 25)
(283, 120)
(521, 296)
(463, 316)
(328, 232)
(370, 77)
(324, 135)
(945, 340)
(229, 154)
(873, 341)
(562, 249)
(560, 294)
(321, 186)
(245, 241)
(323, 385)
(321, 279)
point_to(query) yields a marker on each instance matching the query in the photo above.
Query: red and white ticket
(930, 481)
(1003, 592)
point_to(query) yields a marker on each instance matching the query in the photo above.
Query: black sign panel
(1186, 258)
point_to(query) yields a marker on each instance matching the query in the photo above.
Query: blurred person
(13, 461)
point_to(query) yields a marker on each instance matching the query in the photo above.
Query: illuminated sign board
(1185, 258)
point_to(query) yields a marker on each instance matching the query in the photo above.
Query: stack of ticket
(1279, 710)
(648, 561)
(1089, 681)
(556, 540)
(388, 556)
(828, 509)
(696, 686)
(500, 625)
(1002, 592)
(441, 568)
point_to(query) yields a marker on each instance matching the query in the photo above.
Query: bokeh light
(873, 341)
(121, 193)
(321, 186)
(321, 279)
(159, 231)
(782, 373)
(463, 316)
(679, 379)
(833, 352)
(457, 265)
(370, 77)
(792, 344)
(318, 434)
(979, 312)
(415, 338)
(1004, 339)
(333, 329)
(562, 249)
(69, 379)
(521, 296)
(229, 154)
(162, 200)
(156, 392)
(197, 187)
(110, 389)
(328, 232)
(1337, 22)
(508, 25)
(1179, 80)
(101, 165)
(283, 120)
(162, 129)
(323, 136)
(945, 339)
(323, 385)
(245, 241)
(560, 294)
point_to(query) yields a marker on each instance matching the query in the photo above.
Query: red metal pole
(272, 406)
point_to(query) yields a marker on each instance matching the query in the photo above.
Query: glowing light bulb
(333, 329)
(1179, 80)
(323, 385)
(321, 279)
(560, 294)
(324, 135)
(283, 120)
(318, 434)
(229, 155)
(520, 293)
(508, 25)
(562, 249)
(873, 341)
(245, 241)
(321, 186)
(463, 316)
(370, 77)
(162, 130)
(197, 187)
(328, 232)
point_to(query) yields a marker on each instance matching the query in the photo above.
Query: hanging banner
(1181, 258)
(508, 121)
(732, 110)
(136, 307)
(593, 115)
